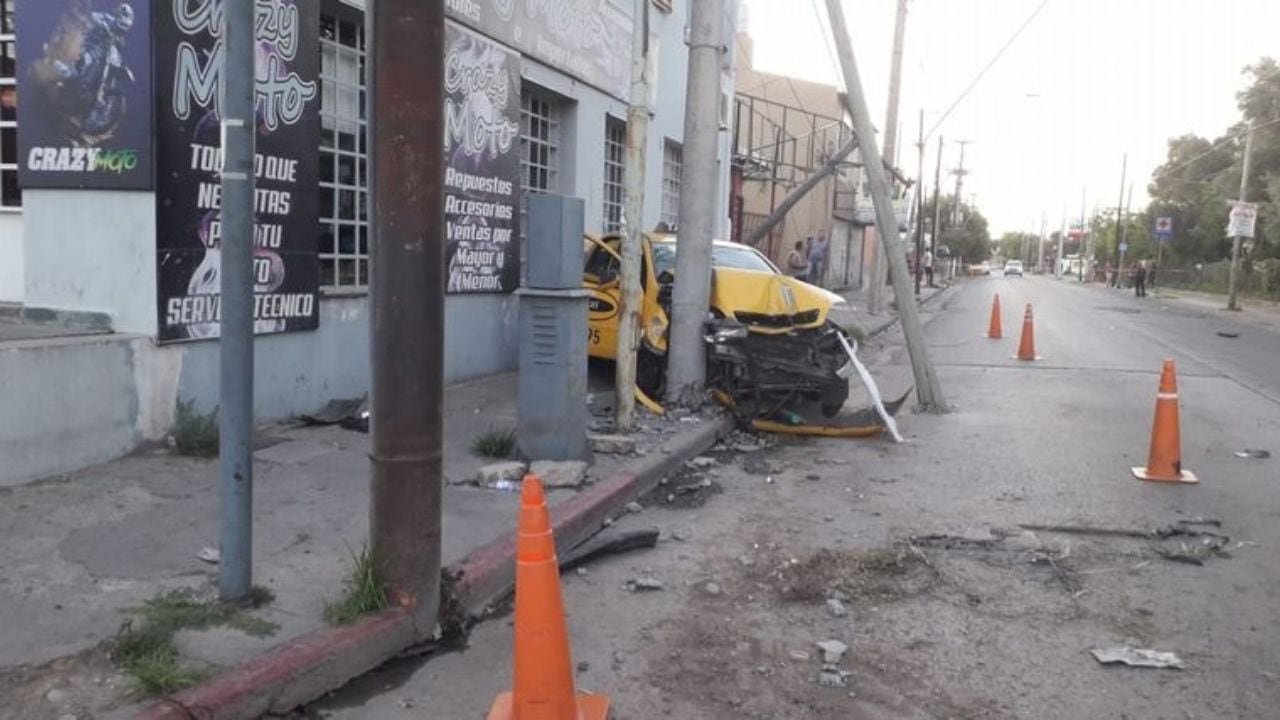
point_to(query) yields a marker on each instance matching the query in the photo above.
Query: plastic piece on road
(870, 383)
(771, 426)
(1136, 657)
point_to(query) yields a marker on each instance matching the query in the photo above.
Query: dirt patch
(876, 575)
(686, 489)
(86, 684)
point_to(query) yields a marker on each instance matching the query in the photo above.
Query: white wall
(11, 270)
(92, 251)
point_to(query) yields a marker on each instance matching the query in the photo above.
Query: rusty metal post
(407, 292)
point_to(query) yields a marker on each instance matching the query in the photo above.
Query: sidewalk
(81, 548)
(854, 312)
(1257, 312)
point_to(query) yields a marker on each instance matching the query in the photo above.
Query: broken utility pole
(632, 221)
(686, 355)
(407, 291)
(830, 166)
(875, 292)
(928, 390)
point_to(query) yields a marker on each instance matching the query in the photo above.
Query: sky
(1087, 82)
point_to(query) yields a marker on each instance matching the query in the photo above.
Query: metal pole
(955, 208)
(1124, 167)
(920, 205)
(928, 390)
(1232, 286)
(875, 296)
(1062, 234)
(235, 428)
(633, 233)
(1044, 221)
(937, 199)
(1083, 232)
(795, 196)
(407, 294)
(686, 359)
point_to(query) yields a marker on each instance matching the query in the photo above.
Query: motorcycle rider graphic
(91, 89)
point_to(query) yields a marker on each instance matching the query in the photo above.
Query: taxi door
(602, 277)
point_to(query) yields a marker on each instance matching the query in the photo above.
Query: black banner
(482, 178)
(85, 82)
(189, 59)
(584, 38)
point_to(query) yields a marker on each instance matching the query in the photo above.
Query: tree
(1019, 246)
(971, 239)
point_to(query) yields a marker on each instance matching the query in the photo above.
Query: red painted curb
(292, 673)
(308, 666)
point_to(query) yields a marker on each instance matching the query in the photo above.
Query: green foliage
(144, 646)
(194, 434)
(364, 590)
(971, 239)
(1018, 246)
(497, 444)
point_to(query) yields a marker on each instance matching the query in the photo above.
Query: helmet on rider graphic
(124, 17)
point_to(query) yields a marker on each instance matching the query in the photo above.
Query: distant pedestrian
(1151, 274)
(797, 265)
(817, 259)
(928, 266)
(1140, 279)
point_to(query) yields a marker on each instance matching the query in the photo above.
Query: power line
(1213, 148)
(826, 40)
(987, 67)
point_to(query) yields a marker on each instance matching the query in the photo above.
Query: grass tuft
(496, 444)
(194, 434)
(364, 591)
(144, 646)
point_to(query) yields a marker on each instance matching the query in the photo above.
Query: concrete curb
(487, 574)
(306, 667)
(891, 321)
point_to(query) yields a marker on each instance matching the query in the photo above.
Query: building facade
(140, 263)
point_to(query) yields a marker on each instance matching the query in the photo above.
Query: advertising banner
(482, 175)
(85, 82)
(579, 37)
(189, 60)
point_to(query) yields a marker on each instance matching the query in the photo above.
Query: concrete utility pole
(1124, 167)
(1062, 234)
(920, 204)
(633, 220)
(828, 168)
(407, 292)
(235, 347)
(1233, 279)
(937, 199)
(959, 172)
(1084, 233)
(1124, 227)
(875, 293)
(1044, 221)
(928, 390)
(686, 357)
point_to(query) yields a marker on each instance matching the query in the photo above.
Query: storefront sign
(584, 38)
(482, 178)
(189, 57)
(85, 82)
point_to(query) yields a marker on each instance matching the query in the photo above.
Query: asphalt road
(953, 610)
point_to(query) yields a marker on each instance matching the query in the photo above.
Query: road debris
(1135, 657)
(836, 608)
(612, 444)
(834, 678)
(1249, 454)
(712, 588)
(610, 543)
(210, 555)
(832, 651)
(645, 583)
(1228, 334)
(799, 655)
(502, 476)
(633, 507)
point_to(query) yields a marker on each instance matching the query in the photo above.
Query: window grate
(344, 155)
(10, 192)
(615, 134)
(672, 158)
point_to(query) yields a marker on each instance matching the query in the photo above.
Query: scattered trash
(210, 555)
(832, 650)
(633, 507)
(702, 462)
(609, 544)
(505, 485)
(799, 655)
(1253, 454)
(337, 410)
(836, 608)
(582, 572)
(812, 478)
(712, 588)
(583, 666)
(1135, 657)
(1228, 334)
(834, 679)
(405, 704)
(645, 583)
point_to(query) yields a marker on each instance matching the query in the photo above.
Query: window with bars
(539, 143)
(672, 157)
(344, 153)
(10, 193)
(615, 132)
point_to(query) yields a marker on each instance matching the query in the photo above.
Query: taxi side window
(602, 265)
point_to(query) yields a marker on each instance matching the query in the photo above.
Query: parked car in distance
(1013, 267)
(982, 268)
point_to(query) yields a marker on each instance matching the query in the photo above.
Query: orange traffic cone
(543, 685)
(1164, 463)
(994, 332)
(1027, 345)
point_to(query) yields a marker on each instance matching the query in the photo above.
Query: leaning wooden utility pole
(875, 292)
(928, 390)
(833, 163)
(686, 356)
(407, 298)
(633, 220)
